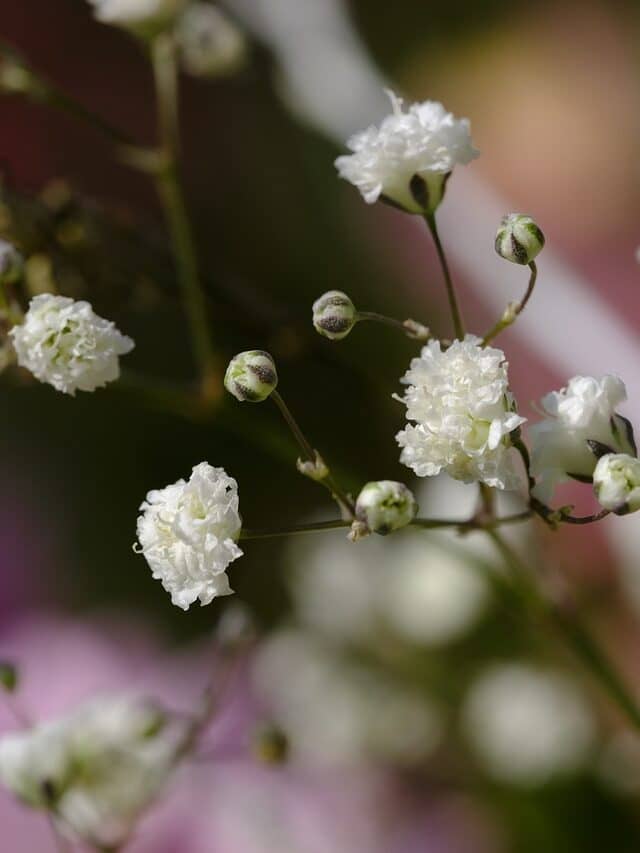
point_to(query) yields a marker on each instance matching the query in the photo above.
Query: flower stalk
(456, 314)
(513, 311)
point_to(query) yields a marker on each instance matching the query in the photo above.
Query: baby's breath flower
(616, 482)
(583, 412)
(464, 413)
(407, 159)
(251, 376)
(210, 44)
(519, 239)
(188, 532)
(97, 768)
(385, 505)
(63, 343)
(135, 13)
(334, 315)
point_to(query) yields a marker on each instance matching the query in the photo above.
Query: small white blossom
(384, 506)
(406, 160)
(96, 769)
(527, 724)
(134, 13)
(63, 343)
(188, 532)
(464, 412)
(583, 411)
(210, 44)
(616, 482)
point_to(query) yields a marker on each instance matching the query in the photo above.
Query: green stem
(471, 524)
(314, 527)
(456, 315)
(408, 327)
(169, 189)
(510, 318)
(575, 633)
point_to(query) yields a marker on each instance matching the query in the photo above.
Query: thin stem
(473, 523)
(576, 634)
(410, 328)
(510, 316)
(340, 496)
(169, 189)
(456, 315)
(314, 527)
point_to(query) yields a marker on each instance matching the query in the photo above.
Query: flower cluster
(95, 769)
(65, 344)
(406, 160)
(188, 532)
(464, 413)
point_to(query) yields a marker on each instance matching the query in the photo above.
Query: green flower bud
(519, 239)
(384, 506)
(616, 483)
(251, 376)
(270, 745)
(8, 676)
(334, 315)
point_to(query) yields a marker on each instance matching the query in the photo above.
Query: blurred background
(423, 711)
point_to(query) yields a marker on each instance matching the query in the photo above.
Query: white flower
(210, 44)
(63, 343)
(96, 768)
(187, 533)
(527, 724)
(136, 12)
(406, 160)
(583, 411)
(464, 412)
(616, 482)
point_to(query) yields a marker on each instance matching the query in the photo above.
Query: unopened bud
(334, 315)
(11, 263)
(416, 330)
(270, 745)
(385, 505)
(8, 676)
(316, 470)
(616, 483)
(210, 44)
(251, 376)
(519, 239)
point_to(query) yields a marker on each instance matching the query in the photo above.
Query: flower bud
(316, 470)
(519, 239)
(385, 505)
(270, 745)
(334, 315)
(616, 482)
(11, 263)
(251, 376)
(211, 45)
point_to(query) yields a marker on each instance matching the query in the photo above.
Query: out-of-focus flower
(407, 159)
(339, 713)
(251, 376)
(616, 482)
(334, 315)
(211, 45)
(11, 263)
(65, 344)
(135, 13)
(584, 411)
(384, 505)
(95, 769)
(527, 724)
(188, 532)
(519, 239)
(464, 412)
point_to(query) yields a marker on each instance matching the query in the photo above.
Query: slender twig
(313, 527)
(409, 328)
(576, 634)
(169, 189)
(456, 314)
(510, 316)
